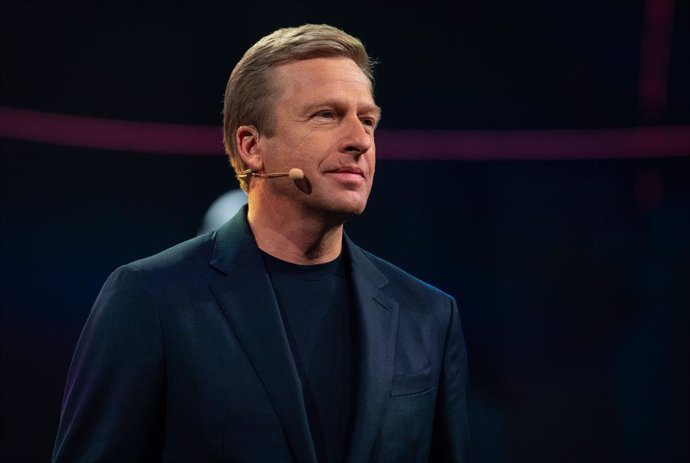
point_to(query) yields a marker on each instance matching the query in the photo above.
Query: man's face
(325, 118)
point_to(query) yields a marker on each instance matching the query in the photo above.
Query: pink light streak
(92, 132)
(431, 145)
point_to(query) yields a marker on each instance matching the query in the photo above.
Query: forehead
(307, 79)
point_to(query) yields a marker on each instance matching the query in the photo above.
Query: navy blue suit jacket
(184, 358)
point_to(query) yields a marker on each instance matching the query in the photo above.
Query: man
(275, 338)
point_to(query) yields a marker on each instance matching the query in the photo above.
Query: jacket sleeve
(451, 437)
(112, 405)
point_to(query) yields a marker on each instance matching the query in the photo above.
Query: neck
(296, 236)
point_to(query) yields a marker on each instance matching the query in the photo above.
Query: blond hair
(250, 93)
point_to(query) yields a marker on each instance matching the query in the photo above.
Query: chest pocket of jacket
(411, 384)
(408, 422)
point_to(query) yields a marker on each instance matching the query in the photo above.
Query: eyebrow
(338, 103)
(376, 109)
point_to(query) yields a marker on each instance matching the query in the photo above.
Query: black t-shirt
(314, 301)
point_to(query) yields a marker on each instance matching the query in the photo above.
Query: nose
(356, 139)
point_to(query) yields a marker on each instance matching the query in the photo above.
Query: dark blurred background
(572, 274)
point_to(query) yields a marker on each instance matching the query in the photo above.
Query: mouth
(347, 171)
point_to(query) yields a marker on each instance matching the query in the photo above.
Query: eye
(369, 122)
(326, 114)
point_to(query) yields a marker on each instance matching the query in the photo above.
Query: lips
(347, 170)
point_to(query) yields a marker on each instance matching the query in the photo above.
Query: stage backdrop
(533, 162)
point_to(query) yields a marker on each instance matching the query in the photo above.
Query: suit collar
(362, 265)
(246, 297)
(248, 302)
(234, 244)
(376, 325)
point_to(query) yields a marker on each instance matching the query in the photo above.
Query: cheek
(294, 155)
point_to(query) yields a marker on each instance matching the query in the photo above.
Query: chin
(342, 209)
(347, 211)
(352, 204)
(337, 206)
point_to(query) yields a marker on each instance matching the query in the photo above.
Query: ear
(247, 141)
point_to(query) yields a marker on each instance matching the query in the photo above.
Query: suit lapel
(246, 297)
(377, 325)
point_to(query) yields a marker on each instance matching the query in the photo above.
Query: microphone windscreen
(296, 174)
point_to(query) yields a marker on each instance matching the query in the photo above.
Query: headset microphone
(294, 174)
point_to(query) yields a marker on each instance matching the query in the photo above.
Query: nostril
(356, 151)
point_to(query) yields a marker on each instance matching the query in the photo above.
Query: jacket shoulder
(403, 281)
(181, 259)
(196, 249)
